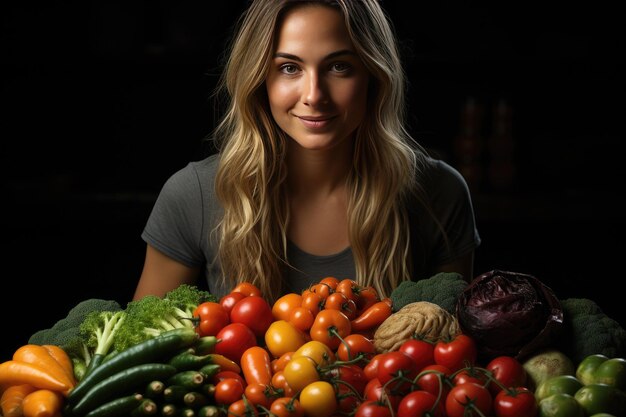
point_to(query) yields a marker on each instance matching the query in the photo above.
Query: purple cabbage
(509, 313)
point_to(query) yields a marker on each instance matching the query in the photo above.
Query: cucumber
(210, 370)
(208, 411)
(154, 389)
(205, 345)
(121, 383)
(188, 379)
(195, 399)
(187, 360)
(150, 350)
(117, 407)
(147, 408)
(174, 393)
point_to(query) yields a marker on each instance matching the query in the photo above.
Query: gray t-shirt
(186, 212)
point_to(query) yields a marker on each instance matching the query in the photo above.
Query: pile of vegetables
(436, 347)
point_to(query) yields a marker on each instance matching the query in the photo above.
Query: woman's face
(317, 85)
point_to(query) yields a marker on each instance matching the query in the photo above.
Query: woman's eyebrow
(327, 57)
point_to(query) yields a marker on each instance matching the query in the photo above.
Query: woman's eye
(340, 67)
(289, 69)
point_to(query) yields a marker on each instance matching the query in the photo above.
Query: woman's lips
(315, 122)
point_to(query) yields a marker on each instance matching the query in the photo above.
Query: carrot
(12, 397)
(14, 372)
(39, 355)
(64, 360)
(42, 403)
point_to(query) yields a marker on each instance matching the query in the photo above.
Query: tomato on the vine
(515, 402)
(508, 371)
(373, 409)
(457, 353)
(468, 400)
(421, 351)
(261, 394)
(318, 399)
(418, 403)
(286, 407)
(329, 327)
(282, 337)
(338, 301)
(354, 345)
(228, 390)
(399, 367)
(433, 378)
(242, 408)
(230, 299)
(374, 391)
(349, 374)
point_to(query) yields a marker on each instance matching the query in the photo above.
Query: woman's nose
(314, 91)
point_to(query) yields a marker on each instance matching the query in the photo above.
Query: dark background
(102, 102)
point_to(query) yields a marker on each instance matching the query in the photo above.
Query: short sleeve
(175, 224)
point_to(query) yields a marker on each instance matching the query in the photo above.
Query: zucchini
(169, 410)
(150, 350)
(117, 407)
(121, 383)
(188, 379)
(154, 389)
(208, 389)
(205, 345)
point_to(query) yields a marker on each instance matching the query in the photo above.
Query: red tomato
(457, 353)
(515, 402)
(235, 338)
(421, 351)
(358, 345)
(468, 400)
(350, 374)
(286, 407)
(213, 317)
(373, 409)
(433, 378)
(228, 390)
(260, 394)
(374, 392)
(349, 288)
(418, 403)
(470, 374)
(508, 371)
(254, 312)
(399, 367)
(222, 375)
(371, 369)
(242, 408)
(229, 300)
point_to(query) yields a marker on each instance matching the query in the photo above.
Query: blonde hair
(251, 175)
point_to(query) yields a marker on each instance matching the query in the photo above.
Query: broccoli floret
(99, 329)
(187, 297)
(442, 289)
(59, 335)
(588, 330)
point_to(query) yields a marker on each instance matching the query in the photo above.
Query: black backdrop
(103, 101)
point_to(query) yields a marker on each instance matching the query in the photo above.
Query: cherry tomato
(468, 400)
(338, 301)
(421, 351)
(354, 345)
(470, 374)
(329, 327)
(347, 399)
(260, 394)
(300, 372)
(213, 317)
(279, 363)
(418, 403)
(256, 366)
(302, 318)
(397, 366)
(318, 399)
(248, 289)
(368, 296)
(222, 375)
(242, 408)
(228, 390)
(515, 402)
(322, 289)
(508, 371)
(371, 369)
(349, 374)
(433, 378)
(347, 287)
(286, 407)
(229, 300)
(279, 382)
(235, 338)
(282, 308)
(457, 353)
(312, 301)
(373, 409)
(331, 281)
(321, 354)
(254, 312)
(374, 391)
(282, 337)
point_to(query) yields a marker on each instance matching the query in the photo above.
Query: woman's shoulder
(437, 173)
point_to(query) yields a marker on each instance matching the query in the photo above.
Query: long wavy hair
(251, 176)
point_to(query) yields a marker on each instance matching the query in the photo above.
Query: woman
(316, 174)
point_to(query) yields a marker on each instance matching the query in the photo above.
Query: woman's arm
(162, 274)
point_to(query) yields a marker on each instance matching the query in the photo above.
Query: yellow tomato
(318, 399)
(320, 353)
(281, 337)
(300, 372)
